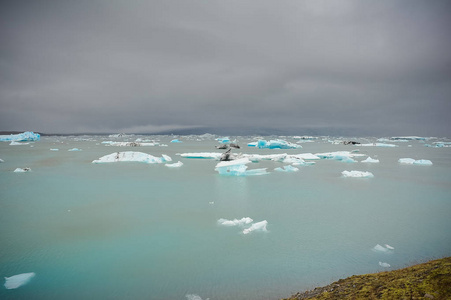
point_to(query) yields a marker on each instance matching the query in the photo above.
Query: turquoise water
(140, 231)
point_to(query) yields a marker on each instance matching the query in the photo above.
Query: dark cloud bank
(230, 67)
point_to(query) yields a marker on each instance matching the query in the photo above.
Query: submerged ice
(16, 281)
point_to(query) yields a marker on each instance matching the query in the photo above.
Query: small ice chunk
(357, 174)
(238, 168)
(54, 149)
(384, 264)
(16, 281)
(194, 297)
(407, 161)
(22, 170)
(235, 222)
(423, 162)
(74, 149)
(1, 160)
(389, 247)
(14, 143)
(174, 165)
(166, 157)
(288, 168)
(370, 160)
(379, 248)
(260, 226)
(176, 141)
(202, 155)
(378, 145)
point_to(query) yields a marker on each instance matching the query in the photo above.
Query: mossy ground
(428, 280)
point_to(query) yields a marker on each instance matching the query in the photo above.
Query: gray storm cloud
(366, 67)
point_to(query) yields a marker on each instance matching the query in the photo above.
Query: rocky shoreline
(430, 280)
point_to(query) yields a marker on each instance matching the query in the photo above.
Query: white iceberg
(357, 174)
(202, 155)
(1, 160)
(238, 168)
(411, 161)
(378, 145)
(389, 247)
(345, 156)
(129, 144)
(194, 297)
(131, 156)
(370, 160)
(384, 264)
(274, 144)
(235, 222)
(174, 165)
(379, 248)
(22, 170)
(74, 149)
(287, 169)
(54, 149)
(14, 143)
(16, 281)
(21, 137)
(260, 226)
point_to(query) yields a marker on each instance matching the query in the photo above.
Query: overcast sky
(354, 67)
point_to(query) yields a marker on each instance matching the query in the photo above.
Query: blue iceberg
(274, 144)
(176, 141)
(238, 168)
(21, 137)
(288, 168)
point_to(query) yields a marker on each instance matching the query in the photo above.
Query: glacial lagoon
(142, 230)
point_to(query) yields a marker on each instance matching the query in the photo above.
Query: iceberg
(378, 145)
(131, 156)
(235, 222)
(274, 144)
(418, 138)
(174, 165)
(22, 170)
(194, 297)
(176, 141)
(74, 149)
(287, 169)
(345, 156)
(238, 168)
(16, 281)
(370, 160)
(129, 144)
(202, 155)
(21, 137)
(54, 149)
(384, 264)
(260, 226)
(411, 161)
(224, 140)
(1, 160)
(357, 174)
(389, 247)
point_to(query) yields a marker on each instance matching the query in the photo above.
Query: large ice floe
(132, 156)
(259, 226)
(411, 161)
(21, 137)
(238, 168)
(344, 156)
(357, 174)
(16, 281)
(284, 157)
(274, 144)
(370, 160)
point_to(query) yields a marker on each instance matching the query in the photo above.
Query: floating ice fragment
(174, 165)
(260, 226)
(384, 264)
(411, 161)
(235, 222)
(357, 174)
(379, 248)
(194, 297)
(176, 141)
(16, 281)
(378, 145)
(22, 170)
(287, 169)
(339, 155)
(129, 144)
(370, 160)
(408, 138)
(202, 155)
(74, 149)
(224, 140)
(1, 160)
(238, 168)
(54, 149)
(21, 137)
(389, 247)
(14, 143)
(131, 156)
(274, 144)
